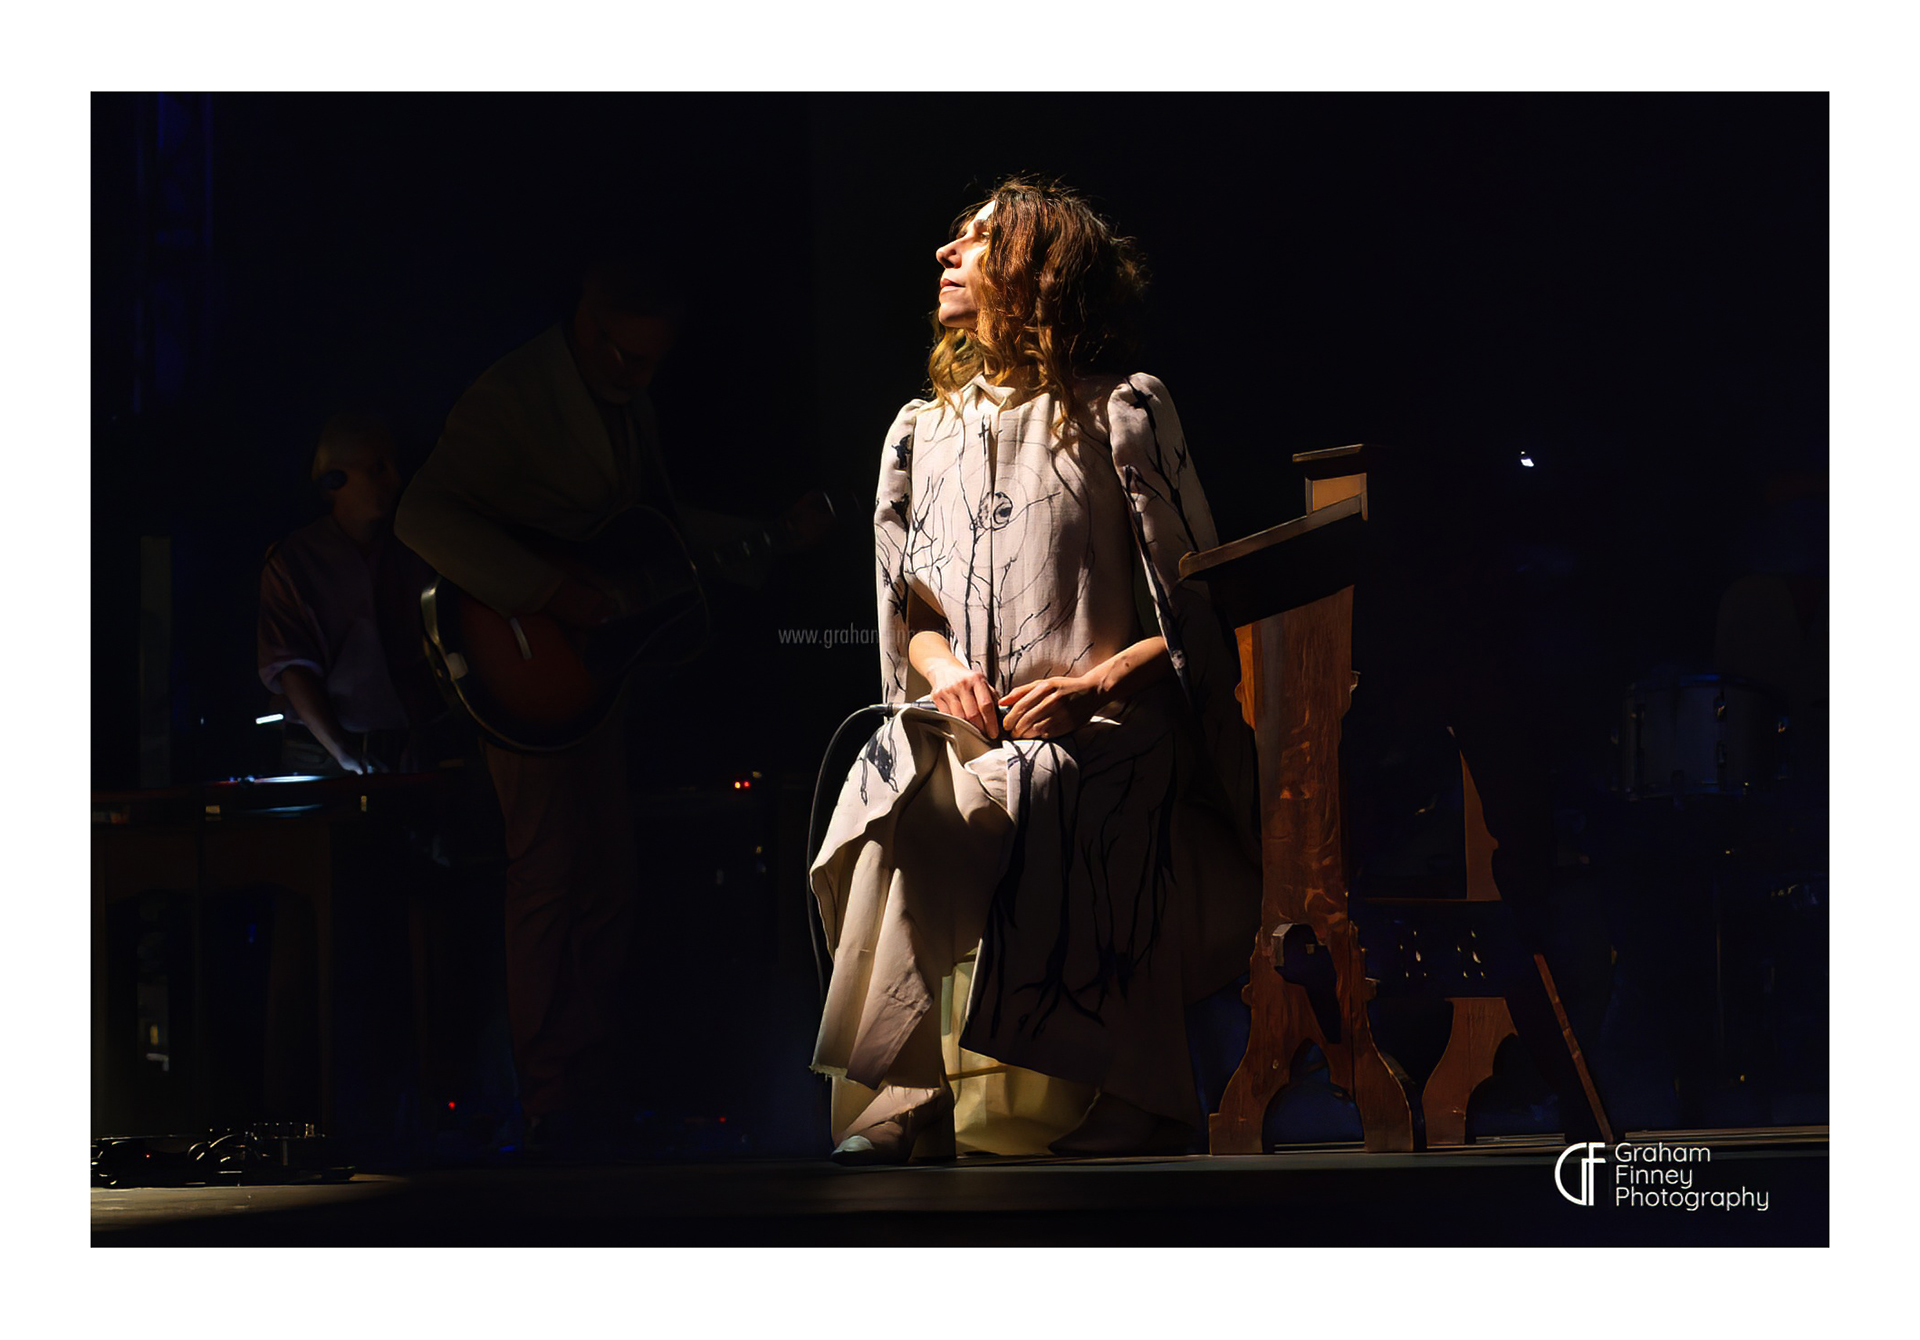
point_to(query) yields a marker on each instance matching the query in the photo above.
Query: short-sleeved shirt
(345, 615)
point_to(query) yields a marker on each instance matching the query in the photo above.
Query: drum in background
(1717, 735)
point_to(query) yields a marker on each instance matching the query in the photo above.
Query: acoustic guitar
(536, 685)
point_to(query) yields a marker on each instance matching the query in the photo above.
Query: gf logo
(1588, 1162)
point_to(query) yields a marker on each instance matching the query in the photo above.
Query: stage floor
(1495, 1194)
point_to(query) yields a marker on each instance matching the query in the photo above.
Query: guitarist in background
(557, 438)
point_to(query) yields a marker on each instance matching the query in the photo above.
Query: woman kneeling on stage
(1047, 851)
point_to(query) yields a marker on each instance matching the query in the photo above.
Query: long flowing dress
(1090, 886)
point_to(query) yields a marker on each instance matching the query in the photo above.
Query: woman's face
(960, 273)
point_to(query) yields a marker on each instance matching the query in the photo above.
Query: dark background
(1629, 290)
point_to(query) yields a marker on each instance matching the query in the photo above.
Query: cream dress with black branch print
(1058, 902)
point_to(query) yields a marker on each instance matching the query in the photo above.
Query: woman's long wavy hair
(1062, 295)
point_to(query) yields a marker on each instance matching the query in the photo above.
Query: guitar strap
(651, 487)
(622, 443)
(633, 434)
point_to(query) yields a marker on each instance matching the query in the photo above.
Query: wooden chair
(1288, 592)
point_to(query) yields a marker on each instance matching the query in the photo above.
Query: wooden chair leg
(1282, 1023)
(1356, 1064)
(1596, 1113)
(1380, 1090)
(1480, 1025)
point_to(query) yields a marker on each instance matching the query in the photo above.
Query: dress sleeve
(1170, 518)
(892, 529)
